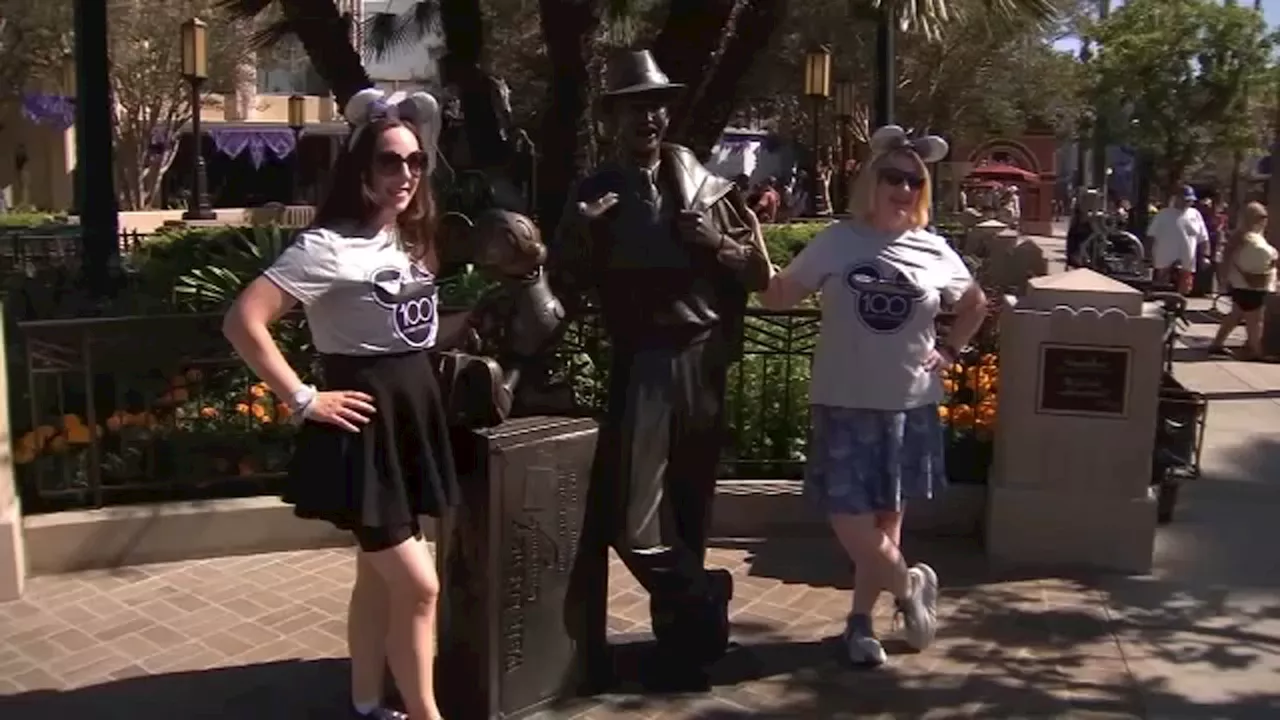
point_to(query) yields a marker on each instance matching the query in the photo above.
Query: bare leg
(1253, 331)
(1229, 323)
(367, 634)
(879, 564)
(890, 523)
(414, 588)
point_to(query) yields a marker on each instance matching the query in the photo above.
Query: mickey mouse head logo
(410, 296)
(883, 304)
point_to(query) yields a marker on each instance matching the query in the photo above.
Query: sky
(1270, 10)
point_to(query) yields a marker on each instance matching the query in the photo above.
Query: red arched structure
(1035, 153)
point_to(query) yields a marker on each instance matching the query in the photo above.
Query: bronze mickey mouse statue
(511, 328)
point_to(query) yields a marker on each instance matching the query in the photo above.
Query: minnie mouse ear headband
(890, 138)
(419, 109)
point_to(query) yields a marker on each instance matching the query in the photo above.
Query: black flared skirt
(400, 464)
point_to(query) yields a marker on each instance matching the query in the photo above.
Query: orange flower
(258, 391)
(282, 411)
(962, 417)
(242, 408)
(943, 412)
(209, 413)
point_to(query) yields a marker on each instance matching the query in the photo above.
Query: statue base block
(512, 640)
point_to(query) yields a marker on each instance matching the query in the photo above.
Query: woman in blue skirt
(877, 440)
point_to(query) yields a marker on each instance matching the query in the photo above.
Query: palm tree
(709, 45)
(323, 31)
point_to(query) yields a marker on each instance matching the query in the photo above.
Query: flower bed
(969, 414)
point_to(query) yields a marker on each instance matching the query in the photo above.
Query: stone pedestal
(1010, 260)
(1080, 367)
(13, 553)
(510, 636)
(980, 234)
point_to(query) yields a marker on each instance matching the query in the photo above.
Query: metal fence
(157, 408)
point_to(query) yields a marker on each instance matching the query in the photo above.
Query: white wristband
(302, 399)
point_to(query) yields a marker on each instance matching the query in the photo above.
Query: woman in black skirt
(373, 452)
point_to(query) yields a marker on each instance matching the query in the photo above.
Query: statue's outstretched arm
(569, 258)
(743, 248)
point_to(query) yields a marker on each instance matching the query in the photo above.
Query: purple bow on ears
(419, 109)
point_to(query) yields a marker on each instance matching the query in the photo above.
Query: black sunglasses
(896, 177)
(389, 163)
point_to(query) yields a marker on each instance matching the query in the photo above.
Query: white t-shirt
(362, 294)
(881, 293)
(1176, 233)
(1255, 256)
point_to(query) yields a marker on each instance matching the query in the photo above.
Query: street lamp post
(94, 173)
(886, 67)
(297, 121)
(817, 86)
(195, 70)
(845, 98)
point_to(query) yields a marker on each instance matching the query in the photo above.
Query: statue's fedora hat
(635, 72)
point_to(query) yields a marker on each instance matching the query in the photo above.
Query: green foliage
(1171, 78)
(210, 270)
(784, 240)
(30, 219)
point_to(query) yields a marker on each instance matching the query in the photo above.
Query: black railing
(158, 408)
(147, 408)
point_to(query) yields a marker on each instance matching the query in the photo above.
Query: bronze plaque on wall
(1083, 380)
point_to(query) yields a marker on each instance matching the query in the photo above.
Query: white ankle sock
(366, 708)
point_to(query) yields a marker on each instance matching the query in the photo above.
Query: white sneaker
(863, 650)
(919, 608)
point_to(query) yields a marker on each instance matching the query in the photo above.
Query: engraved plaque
(505, 650)
(1083, 380)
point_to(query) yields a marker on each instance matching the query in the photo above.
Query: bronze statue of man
(670, 252)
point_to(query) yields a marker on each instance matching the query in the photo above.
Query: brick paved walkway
(261, 637)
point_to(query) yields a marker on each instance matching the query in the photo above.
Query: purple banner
(55, 111)
(234, 141)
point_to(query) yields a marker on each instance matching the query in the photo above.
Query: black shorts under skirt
(399, 466)
(1248, 300)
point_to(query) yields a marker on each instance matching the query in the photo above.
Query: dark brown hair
(348, 202)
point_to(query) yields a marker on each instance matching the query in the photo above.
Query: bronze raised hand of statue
(598, 207)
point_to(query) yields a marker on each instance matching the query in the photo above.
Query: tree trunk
(750, 33)
(568, 31)
(323, 32)
(463, 25)
(688, 45)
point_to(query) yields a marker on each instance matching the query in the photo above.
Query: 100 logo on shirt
(884, 306)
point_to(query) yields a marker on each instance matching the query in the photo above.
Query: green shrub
(29, 218)
(784, 240)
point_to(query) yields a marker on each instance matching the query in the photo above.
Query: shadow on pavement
(314, 690)
(1032, 645)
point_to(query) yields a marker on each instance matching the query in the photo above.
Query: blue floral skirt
(863, 461)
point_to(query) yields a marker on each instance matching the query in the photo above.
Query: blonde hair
(1253, 218)
(862, 198)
